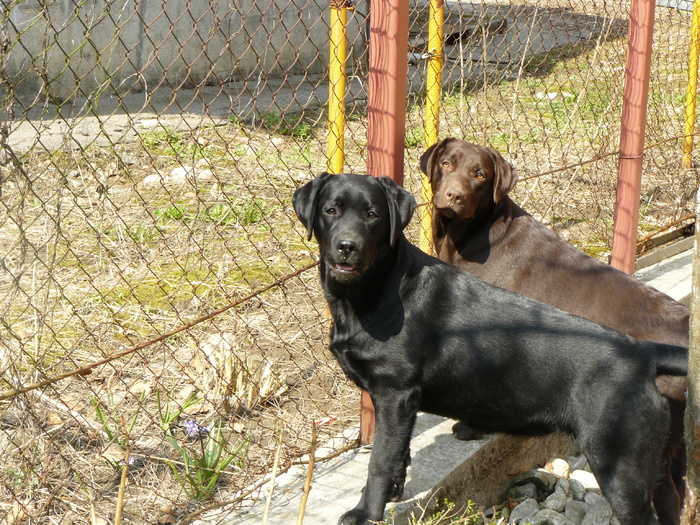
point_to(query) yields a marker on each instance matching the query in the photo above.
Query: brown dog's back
(504, 245)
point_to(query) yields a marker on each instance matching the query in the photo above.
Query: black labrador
(420, 334)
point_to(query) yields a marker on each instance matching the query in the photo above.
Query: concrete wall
(73, 47)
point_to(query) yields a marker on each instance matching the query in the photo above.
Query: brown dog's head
(466, 178)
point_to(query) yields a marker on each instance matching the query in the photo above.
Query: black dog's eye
(331, 211)
(372, 215)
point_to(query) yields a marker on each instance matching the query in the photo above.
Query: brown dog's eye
(330, 211)
(445, 164)
(480, 176)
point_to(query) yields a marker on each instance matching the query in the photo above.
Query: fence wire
(160, 309)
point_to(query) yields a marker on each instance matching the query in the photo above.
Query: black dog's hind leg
(395, 417)
(625, 457)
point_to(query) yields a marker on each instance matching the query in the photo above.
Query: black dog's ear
(505, 176)
(427, 159)
(304, 201)
(401, 206)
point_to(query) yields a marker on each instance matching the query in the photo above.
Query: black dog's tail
(670, 360)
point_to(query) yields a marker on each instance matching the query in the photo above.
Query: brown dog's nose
(454, 195)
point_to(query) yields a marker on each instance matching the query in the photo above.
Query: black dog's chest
(357, 357)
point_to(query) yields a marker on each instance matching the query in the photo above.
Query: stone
(594, 499)
(586, 479)
(541, 478)
(556, 502)
(598, 515)
(550, 517)
(576, 511)
(578, 491)
(559, 467)
(563, 487)
(577, 463)
(523, 492)
(526, 509)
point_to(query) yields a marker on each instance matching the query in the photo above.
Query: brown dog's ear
(505, 176)
(427, 158)
(401, 206)
(304, 201)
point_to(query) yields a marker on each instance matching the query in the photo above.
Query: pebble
(524, 510)
(563, 493)
(556, 501)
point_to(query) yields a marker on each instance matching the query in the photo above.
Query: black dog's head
(466, 178)
(355, 218)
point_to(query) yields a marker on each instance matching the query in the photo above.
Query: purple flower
(193, 430)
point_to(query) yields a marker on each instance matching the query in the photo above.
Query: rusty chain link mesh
(148, 154)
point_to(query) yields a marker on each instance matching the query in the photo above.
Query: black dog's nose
(346, 247)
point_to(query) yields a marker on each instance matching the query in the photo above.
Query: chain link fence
(163, 333)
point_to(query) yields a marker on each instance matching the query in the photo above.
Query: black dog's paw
(396, 492)
(464, 432)
(356, 516)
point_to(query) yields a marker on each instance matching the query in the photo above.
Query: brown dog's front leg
(396, 415)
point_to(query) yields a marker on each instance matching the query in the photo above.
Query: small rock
(180, 174)
(594, 499)
(556, 502)
(550, 517)
(541, 478)
(563, 487)
(152, 180)
(576, 463)
(559, 467)
(578, 491)
(525, 510)
(598, 515)
(576, 511)
(586, 479)
(523, 492)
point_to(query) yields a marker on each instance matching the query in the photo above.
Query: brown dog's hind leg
(464, 432)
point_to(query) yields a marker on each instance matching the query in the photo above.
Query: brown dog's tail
(670, 360)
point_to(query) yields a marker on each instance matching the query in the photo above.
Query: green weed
(202, 463)
(111, 423)
(290, 125)
(167, 141)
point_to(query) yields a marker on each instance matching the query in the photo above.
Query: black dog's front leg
(395, 417)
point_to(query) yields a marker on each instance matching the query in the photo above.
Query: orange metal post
(634, 112)
(388, 67)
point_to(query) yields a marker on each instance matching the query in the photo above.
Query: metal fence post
(432, 110)
(386, 113)
(692, 90)
(336, 85)
(634, 111)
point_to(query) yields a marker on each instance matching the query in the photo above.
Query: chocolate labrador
(477, 227)
(420, 334)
